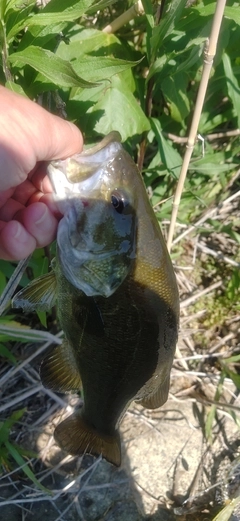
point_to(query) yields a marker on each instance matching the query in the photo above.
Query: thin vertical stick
(209, 54)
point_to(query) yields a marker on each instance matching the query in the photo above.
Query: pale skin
(29, 138)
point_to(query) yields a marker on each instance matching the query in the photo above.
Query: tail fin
(75, 436)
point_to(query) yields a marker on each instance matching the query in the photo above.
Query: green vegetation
(142, 81)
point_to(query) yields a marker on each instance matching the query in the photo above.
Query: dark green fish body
(119, 345)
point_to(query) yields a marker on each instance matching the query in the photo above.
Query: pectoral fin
(76, 436)
(157, 398)
(58, 371)
(39, 295)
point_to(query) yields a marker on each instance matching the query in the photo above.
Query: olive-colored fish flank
(116, 295)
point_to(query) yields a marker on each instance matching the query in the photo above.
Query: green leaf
(232, 86)
(17, 19)
(175, 91)
(2, 282)
(148, 8)
(167, 24)
(22, 463)
(232, 13)
(169, 155)
(14, 87)
(231, 360)
(228, 510)
(60, 11)
(58, 71)
(5, 353)
(88, 41)
(6, 426)
(121, 111)
(98, 68)
(2, 9)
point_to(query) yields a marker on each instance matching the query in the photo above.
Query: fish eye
(118, 201)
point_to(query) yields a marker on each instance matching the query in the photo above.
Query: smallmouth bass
(116, 295)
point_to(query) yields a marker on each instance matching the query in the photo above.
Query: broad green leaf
(89, 41)
(169, 155)
(95, 68)
(232, 86)
(60, 11)
(121, 111)
(58, 71)
(232, 13)
(26, 469)
(212, 168)
(166, 25)
(39, 35)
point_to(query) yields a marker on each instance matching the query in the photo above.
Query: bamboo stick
(126, 17)
(209, 53)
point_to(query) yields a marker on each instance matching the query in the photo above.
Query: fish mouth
(84, 172)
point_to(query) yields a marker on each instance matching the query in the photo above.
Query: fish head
(96, 237)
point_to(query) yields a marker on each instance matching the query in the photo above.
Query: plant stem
(126, 17)
(209, 54)
(5, 63)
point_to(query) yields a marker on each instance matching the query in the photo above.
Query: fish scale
(116, 295)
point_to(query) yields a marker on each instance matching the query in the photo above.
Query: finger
(63, 139)
(40, 179)
(30, 134)
(9, 210)
(23, 192)
(15, 242)
(40, 223)
(5, 195)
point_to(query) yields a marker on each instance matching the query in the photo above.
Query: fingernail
(42, 211)
(16, 230)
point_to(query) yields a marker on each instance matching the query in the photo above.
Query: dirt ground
(166, 474)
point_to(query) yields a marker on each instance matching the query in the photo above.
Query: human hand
(29, 136)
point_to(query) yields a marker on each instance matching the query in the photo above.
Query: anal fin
(76, 436)
(58, 371)
(157, 398)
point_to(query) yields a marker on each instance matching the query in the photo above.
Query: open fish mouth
(82, 173)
